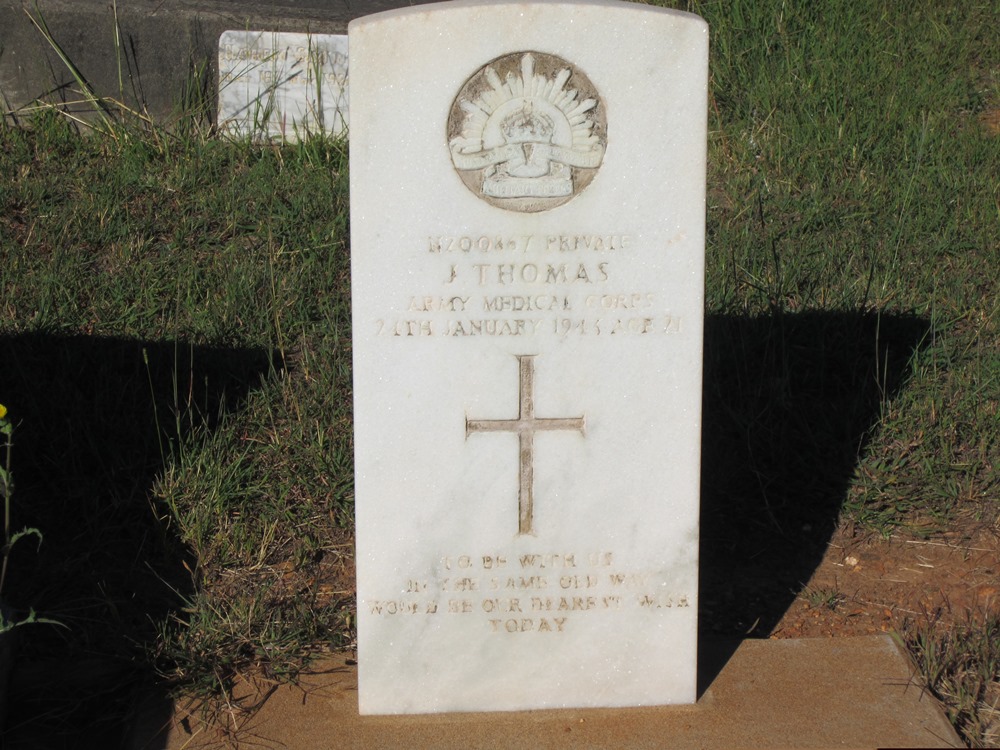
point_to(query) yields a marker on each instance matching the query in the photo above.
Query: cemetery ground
(175, 356)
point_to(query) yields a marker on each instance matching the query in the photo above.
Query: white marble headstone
(278, 85)
(527, 230)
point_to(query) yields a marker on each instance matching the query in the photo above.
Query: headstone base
(839, 692)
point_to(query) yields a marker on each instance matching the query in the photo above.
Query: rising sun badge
(527, 132)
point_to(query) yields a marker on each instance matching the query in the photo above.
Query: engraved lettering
(462, 562)
(578, 582)
(556, 275)
(528, 625)
(587, 243)
(632, 325)
(532, 303)
(438, 304)
(483, 244)
(490, 562)
(521, 583)
(393, 607)
(628, 580)
(663, 601)
(548, 561)
(408, 328)
(619, 301)
(503, 274)
(493, 327)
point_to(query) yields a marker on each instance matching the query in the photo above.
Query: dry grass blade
(85, 88)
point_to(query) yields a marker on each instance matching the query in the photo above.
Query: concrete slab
(165, 48)
(848, 692)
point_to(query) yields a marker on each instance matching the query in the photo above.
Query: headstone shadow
(790, 400)
(96, 421)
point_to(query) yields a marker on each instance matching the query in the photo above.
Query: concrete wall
(166, 45)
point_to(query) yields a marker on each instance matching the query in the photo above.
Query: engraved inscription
(556, 285)
(563, 243)
(539, 593)
(282, 84)
(522, 139)
(526, 425)
(561, 327)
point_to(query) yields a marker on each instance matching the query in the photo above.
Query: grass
(175, 342)
(850, 173)
(822, 597)
(176, 355)
(961, 667)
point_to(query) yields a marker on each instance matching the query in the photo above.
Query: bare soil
(866, 584)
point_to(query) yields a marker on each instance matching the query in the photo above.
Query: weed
(7, 490)
(12, 537)
(822, 597)
(961, 667)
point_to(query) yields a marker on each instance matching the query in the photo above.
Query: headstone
(275, 85)
(527, 230)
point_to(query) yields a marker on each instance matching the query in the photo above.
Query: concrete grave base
(848, 692)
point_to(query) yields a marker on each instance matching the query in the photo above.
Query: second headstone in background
(282, 86)
(527, 227)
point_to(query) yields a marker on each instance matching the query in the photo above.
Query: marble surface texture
(527, 231)
(281, 85)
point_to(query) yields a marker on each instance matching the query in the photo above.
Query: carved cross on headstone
(526, 425)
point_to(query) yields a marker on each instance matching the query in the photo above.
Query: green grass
(176, 332)
(961, 667)
(175, 337)
(848, 171)
(822, 597)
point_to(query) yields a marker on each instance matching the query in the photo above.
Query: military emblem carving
(527, 132)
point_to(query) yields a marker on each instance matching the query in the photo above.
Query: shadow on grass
(95, 421)
(789, 405)
(790, 401)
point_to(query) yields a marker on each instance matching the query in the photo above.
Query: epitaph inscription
(527, 132)
(525, 425)
(551, 594)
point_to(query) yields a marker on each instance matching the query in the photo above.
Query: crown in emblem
(527, 125)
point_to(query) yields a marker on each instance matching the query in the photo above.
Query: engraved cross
(526, 425)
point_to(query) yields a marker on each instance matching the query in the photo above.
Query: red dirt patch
(870, 585)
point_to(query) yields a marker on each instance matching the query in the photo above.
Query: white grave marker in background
(282, 85)
(527, 227)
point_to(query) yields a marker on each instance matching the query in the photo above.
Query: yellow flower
(3, 411)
